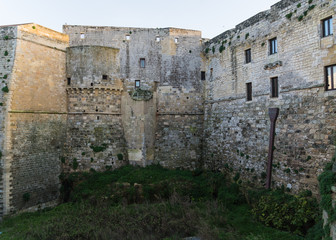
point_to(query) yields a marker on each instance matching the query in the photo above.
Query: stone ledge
(93, 113)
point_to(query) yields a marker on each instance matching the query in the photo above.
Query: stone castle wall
(95, 135)
(8, 36)
(237, 130)
(170, 74)
(35, 117)
(100, 97)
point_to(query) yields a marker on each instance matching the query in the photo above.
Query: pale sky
(212, 17)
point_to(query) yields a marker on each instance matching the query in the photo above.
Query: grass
(145, 203)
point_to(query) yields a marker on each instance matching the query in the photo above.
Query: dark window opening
(137, 83)
(92, 84)
(69, 81)
(97, 117)
(202, 75)
(327, 27)
(330, 77)
(274, 87)
(96, 109)
(104, 77)
(273, 45)
(249, 91)
(248, 56)
(142, 62)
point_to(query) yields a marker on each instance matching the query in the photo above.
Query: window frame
(333, 77)
(142, 60)
(273, 43)
(327, 31)
(274, 87)
(249, 91)
(137, 84)
(202, 75)
(248, 56)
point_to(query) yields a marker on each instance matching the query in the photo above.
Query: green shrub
(221, 48)
(6, 53)
(99, 148)
(6, 38)
(62, 159)
(5, 76)
(213, 49)
(74, 164)
(207, 50)
(120, 156)
(5, 89)
(289, 15)
(311, 7)
(26, 197)
(287, 212)
(247, 35)
(300, 18)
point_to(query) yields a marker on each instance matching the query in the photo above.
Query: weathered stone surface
(237, 130)
(101, 97)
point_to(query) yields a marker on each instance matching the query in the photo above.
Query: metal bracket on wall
(273, 114)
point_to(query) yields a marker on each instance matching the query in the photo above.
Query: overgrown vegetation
(156, 203)
(101, 148)
(327, 181)
(5, 89)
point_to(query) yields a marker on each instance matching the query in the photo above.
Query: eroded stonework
(97, 98)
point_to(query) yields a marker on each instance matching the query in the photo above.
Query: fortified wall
(33, 115)
(157, 104)
(237, 128)
(101, 97)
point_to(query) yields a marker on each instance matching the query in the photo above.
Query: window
(202, 75)
(274, 87)
(176, 40)
(104, 77)
(273, 46)
(248, 55)
(82, 35)
(327, 27)
(142, 62)
(128, 37)
(69, 81)
(248, 91)
(157, 39)
(330, 77)
(137, 83)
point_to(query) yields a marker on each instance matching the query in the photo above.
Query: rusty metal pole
(273, 114)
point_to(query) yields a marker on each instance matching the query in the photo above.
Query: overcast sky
(212, 17)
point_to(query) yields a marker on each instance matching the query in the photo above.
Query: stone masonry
(97, 98)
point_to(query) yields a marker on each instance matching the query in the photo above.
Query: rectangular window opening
(104, 77)
(202, 75)
(327, 27)
(248, 91)
(330, 81)
(273, 46)
(137, 83)
(274, 87)
(82, 35)
(128, 37)
(157, 39)
(176, 40)
(69, 81)
(248, 56)
(142, 63)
